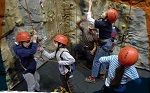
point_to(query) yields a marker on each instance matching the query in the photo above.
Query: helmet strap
(58, 47)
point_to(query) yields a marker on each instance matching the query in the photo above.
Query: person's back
(129, 73)
(121, 70)
(105, 28)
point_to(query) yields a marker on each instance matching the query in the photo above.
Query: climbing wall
(138, 27)
(50, 17)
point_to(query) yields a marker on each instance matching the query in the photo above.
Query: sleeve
(67, 59)
(105, 59)
(99, 23)
(79, 25)
(49, 55)
(132, 73)
(89, 18)
(25, 52)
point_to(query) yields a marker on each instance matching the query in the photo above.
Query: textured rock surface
(12, 16)
(138, 34)
(145, 6)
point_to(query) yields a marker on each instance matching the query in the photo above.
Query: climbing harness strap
(71, 67)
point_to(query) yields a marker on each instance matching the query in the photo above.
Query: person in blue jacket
(25, 49)
(105, 40)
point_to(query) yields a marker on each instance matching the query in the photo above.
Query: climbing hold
(123, 26)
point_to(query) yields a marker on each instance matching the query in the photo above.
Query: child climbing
(65, 60)
(88, 43)
(106, 44)
(121, 70)
(25, 49)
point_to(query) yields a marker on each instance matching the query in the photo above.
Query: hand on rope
(41, 49)
(90, 5)
(34, 38)
(34, 32)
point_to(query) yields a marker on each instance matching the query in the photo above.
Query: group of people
(120, 68)
(25, 49)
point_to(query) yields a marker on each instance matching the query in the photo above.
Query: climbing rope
(76, 26)
(29, 15)
(58, 32)
(124, 36)
(34, 31)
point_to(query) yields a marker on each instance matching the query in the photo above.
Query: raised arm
(79, 24)
(89, 14)
(49, 55)
(90, 5)
(106, 59)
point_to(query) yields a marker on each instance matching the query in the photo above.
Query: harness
(71, 67)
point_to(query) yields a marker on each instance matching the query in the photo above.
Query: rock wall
(49, 17)
(144, 5)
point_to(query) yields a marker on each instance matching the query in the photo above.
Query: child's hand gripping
(40, 49)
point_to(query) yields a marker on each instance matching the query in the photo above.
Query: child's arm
(106, 59)
(45, 53)
(94, 49)
(90, 5)
(79, 24)
(89, 17)
(25, 52)
(67, 59)
(49, 55)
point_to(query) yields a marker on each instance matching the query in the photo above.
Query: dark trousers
(66, 82)
(83, 53)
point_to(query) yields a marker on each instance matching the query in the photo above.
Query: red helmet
(23, 36)
(128, 56)
(61, 39)
(112, 15)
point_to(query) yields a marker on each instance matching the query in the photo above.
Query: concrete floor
(50, 80)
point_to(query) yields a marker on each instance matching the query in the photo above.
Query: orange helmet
(23, 36)
(61, 39)
(128, 56)
(112, 15)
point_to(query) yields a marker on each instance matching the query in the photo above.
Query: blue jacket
(26, 56)
(105, 28)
